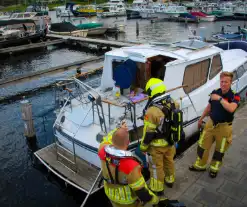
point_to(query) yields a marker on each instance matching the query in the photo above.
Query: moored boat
(66, 28)
(203, 17)
(113, 8)
(93, 27)
(36, 16)
(19, 32)
(84, 118)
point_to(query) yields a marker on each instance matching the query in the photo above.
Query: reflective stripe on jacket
(129, 173)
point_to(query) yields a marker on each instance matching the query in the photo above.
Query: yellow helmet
(155, 86)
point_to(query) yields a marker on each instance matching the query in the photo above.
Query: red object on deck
(198, 14)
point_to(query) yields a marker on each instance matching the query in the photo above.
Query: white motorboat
(36, 16)
(170, 11)
(87, 112)
(4, 15)
(63, 11)
(112, 8)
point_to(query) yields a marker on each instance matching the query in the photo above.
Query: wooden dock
(10, 50)
(64, 67)
(83, 179)
(99, 42)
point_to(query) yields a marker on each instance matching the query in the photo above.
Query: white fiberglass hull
(146, 15)
(66, 14)
(162, 15)
(111, 14)
(207, 18)
(90, 154)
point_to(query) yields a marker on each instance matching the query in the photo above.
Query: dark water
(39, 60)
(24, 182)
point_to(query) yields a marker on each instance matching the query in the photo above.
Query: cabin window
(216, 66)
(26, 15)
(245, 66)
(195, 75)
(235, 77)
(240, 71)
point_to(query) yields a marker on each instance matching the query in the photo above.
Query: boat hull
(111, 14)
(21, 41)
(90, 154)
(76, 33)
(132, 14)
(84, 14)
(207, 18)
(163, 15)
(96, 31)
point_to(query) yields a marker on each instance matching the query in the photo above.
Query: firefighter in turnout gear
(222, 104)
(159, 146)
(123, 181)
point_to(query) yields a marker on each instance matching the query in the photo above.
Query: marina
(69, 80)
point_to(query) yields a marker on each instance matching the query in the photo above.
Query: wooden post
(26, 114)
(137, 28)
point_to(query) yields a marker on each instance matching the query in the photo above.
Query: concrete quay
(229, 188)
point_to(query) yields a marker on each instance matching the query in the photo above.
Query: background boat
(66, 28)
(15, 32)
(93, 27)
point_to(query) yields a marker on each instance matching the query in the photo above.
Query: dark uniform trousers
(222, 135)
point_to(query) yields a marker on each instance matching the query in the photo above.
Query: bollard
(26, 114)
(137, 28)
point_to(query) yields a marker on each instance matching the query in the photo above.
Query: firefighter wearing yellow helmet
(155, 141)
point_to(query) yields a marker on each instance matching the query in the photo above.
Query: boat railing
(74, 90)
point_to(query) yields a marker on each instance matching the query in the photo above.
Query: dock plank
(30, 46)
(85, 176)
(94, 41)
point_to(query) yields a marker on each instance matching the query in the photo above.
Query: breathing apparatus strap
(108, 168)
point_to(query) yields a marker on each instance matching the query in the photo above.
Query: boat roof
(181, 51)
(233, 58)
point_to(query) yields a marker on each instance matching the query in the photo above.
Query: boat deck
(83, 179)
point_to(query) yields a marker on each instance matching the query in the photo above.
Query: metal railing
(66, 93)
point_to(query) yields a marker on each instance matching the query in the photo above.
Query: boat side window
(26, 15)
(235, 77)
(245, 66)
(240, 71)
(216, 66)
(20, 16)
(195, 75)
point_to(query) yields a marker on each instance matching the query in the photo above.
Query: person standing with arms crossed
(222, 105)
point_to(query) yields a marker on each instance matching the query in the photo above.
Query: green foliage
(22, 7)
(18, 7)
